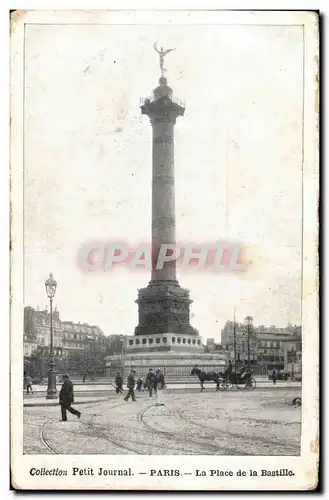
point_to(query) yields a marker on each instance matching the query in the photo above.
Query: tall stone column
(163, 113)
(163, 305)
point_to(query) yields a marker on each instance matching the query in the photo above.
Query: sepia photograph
(164, 190)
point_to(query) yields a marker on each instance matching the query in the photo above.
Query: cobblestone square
(262, 422)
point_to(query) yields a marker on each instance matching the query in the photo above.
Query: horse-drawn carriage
(225, 381)
(239, 380)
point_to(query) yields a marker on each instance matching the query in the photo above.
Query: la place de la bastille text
(90, 471)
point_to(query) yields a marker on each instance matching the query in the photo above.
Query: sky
(238, 164)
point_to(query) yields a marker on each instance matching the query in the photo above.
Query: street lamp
(51, 285)
(122, 341)
(248, 322)
(293, 358)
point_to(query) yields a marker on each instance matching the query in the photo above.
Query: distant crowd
(154, 383)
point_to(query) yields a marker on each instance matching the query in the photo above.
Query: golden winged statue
(162, 53)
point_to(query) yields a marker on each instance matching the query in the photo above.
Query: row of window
(261, 343)
(260, 356)
(275, 343)
(271, 358)
(294, 357)
(59, 343)
(75, 336)
(56, 324)
(78, 328)
(164, 341)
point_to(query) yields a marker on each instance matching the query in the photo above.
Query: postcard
(164, 235)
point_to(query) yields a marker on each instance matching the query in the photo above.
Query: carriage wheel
(222, 386)
(251, 384)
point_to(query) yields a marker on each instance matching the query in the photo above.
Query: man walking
(131, 386)
(160, 384)
(28, 382)
(151, 382)
(66, 398)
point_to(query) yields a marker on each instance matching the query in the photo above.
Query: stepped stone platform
(172, 353)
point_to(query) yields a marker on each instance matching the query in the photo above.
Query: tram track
(111, 440)
(253, 439)
(175, 437)
(46, 442)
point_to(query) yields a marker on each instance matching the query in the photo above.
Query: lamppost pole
(234, 341)
(248, 321)
(292, 363)
(51, 285)
(122, 340)
(248, 345)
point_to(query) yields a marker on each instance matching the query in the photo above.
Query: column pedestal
(163, 306)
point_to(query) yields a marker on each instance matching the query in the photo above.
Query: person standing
(242, 372)
(118, 383)
(274, 376)
(151, 381)
(28, 382)
(228, 370)
(66, 398)
(131, 386)
(160, 385)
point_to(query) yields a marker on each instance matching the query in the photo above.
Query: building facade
(292, 353)
(67, 335)
(243, 344)
(30, 346)
(269, 345)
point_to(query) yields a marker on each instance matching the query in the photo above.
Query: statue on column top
(162, 53)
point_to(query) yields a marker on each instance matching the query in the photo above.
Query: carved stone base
(163, 306)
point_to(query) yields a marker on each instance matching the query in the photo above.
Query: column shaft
(163, 196)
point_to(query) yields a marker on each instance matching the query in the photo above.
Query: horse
(206, 377)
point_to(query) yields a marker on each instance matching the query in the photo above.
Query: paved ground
(261, 422)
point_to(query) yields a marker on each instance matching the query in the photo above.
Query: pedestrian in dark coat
(66, 398)
(151, 382)
(131, 386)
(274, 377)
(28, 382)
(160, 381)
(118, 383)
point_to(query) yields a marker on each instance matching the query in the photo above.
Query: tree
(37, 364)
(90, 361)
